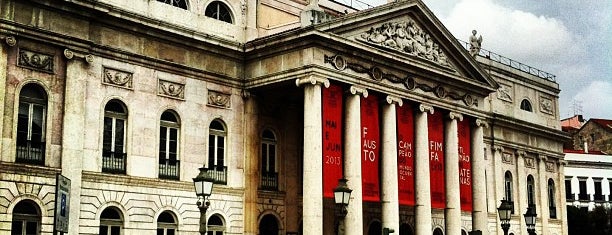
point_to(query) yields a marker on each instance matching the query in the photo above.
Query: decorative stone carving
(89, 59)
(546, 105)
(508, 158)
(550, 166)
(504, 92)
(11, 41)
(407, 37)
(68, 54)
(475, 43)
(219, 99)
(529, 162)
(171, 89)
(377, 74)
(117, 78)
(35, 60)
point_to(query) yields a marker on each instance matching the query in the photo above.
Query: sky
(571, 39)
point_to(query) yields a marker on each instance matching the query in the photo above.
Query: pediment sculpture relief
(407, 37)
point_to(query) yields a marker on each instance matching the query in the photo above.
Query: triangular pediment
(410, 31)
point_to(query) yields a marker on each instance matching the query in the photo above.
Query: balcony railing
(584, 197)
(570, 196)
(552, 212)
(599, 197)
(269, 181)
(169, 169)
(219, 173)
(32, 153)
(113, 162)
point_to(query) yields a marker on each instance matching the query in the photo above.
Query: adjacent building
(279, 100)
(588, 179)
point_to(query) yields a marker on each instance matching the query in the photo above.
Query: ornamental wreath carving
(407, 37)
(529, 162)
(35, 60)
(218, 99)
(508, 158)
(550, 166)
(171, 89)
(117, 78)
(546, 105)
(504, 92)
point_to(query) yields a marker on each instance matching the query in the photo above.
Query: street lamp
(342, 194)
(530, 219)
(203, 187)
(505, 210)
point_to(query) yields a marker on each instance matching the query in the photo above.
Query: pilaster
(352, 159)
(421, 164)
(543, 212)
(520, 183)
(251, 158)
(9, 42)
(498, 151)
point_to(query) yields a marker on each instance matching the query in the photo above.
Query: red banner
(465, 164)
(436, 159)
(370, 148)
(332, 139)
(405, 155)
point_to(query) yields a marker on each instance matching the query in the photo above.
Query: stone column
(390, 196)
(497, 160)
(543, 213)
(72, 137)
(312, 206)
(4, 49)
(452, 212)
(421, 164)
(479, 191)
(562, 212)
(352, 159)
(520, 182)
(251, 158)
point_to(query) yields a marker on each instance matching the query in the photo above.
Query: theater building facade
(278, 100)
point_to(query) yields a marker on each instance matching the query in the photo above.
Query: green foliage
(595, 222)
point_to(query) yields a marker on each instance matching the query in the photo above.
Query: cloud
(595, 99)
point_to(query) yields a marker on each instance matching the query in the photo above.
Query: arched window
(530, 191)
(113, 137)
(405, 229)
(26, 218)
(31, 124)
(508, 189)
(177, 3)
(169, 127)
(269, 174)
(438, 231)
(463, 232)
(166, 224)
(526, 105)
(551, 199)
(375, 228)
(219, 11)
(268, 225)
(216, 226)
(216, 151)
(111, 221)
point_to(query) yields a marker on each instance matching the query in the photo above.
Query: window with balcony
(31, 124)
(526, 105)
(113, 137)
(219, 11)
(598, 196)
(169, 130)
(508, 189)
(582, 186)
(269, 174)
(530, 191)
(217, 135)
(26, 218)
(177, 3)
(568, 189)
(166, 224)
(111, 222)
(551, 199)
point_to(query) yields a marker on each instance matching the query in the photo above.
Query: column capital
(479, 122)
(357, 90)
(542, 157)
(454, 115)
(314, 80)
(562, 162)
(426, 108)
(498, 148)
(521, 153)
(394, 99)
(10, 41)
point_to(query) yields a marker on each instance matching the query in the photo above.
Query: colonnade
(313, 166)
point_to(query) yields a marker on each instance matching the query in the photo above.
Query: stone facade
(595, 135)
(107, 81)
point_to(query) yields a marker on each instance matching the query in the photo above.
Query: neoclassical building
(279, 100)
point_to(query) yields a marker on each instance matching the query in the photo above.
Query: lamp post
(505, 211)
(203, 187)
(530, 219)
(342, 195)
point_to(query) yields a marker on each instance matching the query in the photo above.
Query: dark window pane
(119, 126)
(220, 150)
(272, 158)
(108, 134)
(103, 230)
(17, 228)
(160, 231)
(115, 230)
(31, 228)
(162, 144)
(170, 231)
(211, 151)
(264, 157)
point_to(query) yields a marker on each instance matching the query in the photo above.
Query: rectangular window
(168, 153)
(598, 192)
(568, 190)
(113, 142)
(30, 133)
(583, 190)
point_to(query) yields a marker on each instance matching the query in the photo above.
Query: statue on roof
(475, 43)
